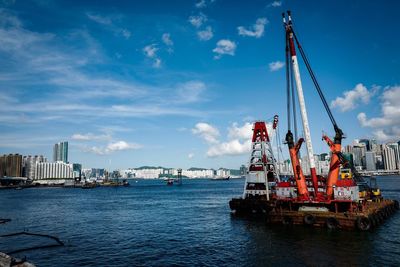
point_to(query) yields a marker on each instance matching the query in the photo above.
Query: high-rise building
(366, 142)
(395, 147)
(77, 169)
(370, 161)
(29, 165)
(374, 145)
(11, 165)
(60, 152)
(389, 159)
(359, 155)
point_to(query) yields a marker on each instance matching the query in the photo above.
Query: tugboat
(125, 183)
(336, 201)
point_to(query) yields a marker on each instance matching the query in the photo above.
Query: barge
(342, 200)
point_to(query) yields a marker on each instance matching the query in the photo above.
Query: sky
(179, 83)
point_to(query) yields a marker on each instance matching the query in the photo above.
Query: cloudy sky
(178, 83)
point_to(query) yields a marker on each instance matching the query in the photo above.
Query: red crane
(335, 146)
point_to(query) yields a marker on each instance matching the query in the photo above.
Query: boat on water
(89, 185)
(341, 200)
(220, 178)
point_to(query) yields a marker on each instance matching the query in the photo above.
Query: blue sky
(178, 83)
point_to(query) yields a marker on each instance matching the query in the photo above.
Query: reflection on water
(150, 223)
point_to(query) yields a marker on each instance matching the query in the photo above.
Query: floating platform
(370, 215)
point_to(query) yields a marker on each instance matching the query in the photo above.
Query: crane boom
(302, 103)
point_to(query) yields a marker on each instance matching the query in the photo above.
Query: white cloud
(387, 125)
(99, 19)
(166, 38)
(206, 131)
(224, 47)
(244, 132)
(112, 147)
(150, 51)
(121, 145)
(126, 33)
(233, 147)
(90, 137)
(108, 23)
(277, 65)
(190, 155)
(157, 63)
(206, 34)
(257, 30)
(197, 21)
(239, 139)
(201, 4)
(190, 91)
(353, 98)
(275, 4)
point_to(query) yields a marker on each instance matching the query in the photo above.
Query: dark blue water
(151, 224)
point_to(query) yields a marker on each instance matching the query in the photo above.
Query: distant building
(77, 170)
(97, 173)
(11, 165)
(366, 142)
(395, 147)
(29, 165)
(53, 170)
(389, 159)
(221, 172)
(370, 161)
(60, 152)
(359, 155)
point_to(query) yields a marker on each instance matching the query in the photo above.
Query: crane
(335, 145)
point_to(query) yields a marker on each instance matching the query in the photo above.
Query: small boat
(170, 182)
(89, 186)
(221, 178)
(125, 183)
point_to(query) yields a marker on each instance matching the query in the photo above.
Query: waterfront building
(197, 173)
(359, 150)
(395, 147)
(77, 170)
(53, 170)
(366, 142)
(389, 159)
(29, 165)
(222, 172)
(370, 160)
(374, 145)
(97, 173)
(60, 152)
(379, 162)
(11, 165)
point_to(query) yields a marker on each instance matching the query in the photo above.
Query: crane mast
(302, 103)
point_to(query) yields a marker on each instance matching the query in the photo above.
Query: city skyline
(179, 84)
